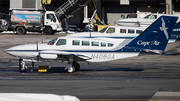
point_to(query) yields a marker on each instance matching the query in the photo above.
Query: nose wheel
(22, 66)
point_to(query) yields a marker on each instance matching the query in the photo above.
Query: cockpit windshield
(103, 30)
(52, 41)
(147, 17)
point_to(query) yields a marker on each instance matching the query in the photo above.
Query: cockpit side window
(52, 41)
(61, 42)
(110, 30)
(146, 17)
(103, 30)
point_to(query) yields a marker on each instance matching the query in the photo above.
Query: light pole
(167, 5)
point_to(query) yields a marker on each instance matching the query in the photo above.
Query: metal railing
(63, 8)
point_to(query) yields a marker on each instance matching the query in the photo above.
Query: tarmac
(149, 77)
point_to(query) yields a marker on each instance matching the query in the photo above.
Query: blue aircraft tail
(156, 36)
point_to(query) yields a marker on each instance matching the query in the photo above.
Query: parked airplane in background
(121, 32)
(143, 22)
(153, 39)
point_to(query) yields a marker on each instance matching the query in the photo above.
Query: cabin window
(122, 30)
(110, 45)
(93, 43)
(61, 42)
(110, 30)
(131, 31)
(139, 31)
(85, 43)
(103, 30)
(76, 42)
(52, 41)
(103, 44)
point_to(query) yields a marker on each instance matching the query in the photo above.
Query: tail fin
(156, 36)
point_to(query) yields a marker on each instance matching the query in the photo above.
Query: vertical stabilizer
(156, 36)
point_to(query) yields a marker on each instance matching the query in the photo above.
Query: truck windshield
(52, 41)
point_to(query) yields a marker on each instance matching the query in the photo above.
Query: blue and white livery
(153, 39)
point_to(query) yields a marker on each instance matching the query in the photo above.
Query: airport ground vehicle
(3, 21)
(22, 21)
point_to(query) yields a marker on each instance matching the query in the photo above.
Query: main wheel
(48, 31)
(71, 70)
(76, 65)
(20, 30)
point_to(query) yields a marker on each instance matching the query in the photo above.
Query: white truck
(33, 21)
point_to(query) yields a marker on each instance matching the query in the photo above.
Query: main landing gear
(70, 68)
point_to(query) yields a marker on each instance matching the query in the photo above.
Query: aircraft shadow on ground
(61, 70)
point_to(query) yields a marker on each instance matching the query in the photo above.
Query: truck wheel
(20, 30)
(48, 31)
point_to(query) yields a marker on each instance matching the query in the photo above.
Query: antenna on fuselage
(89, 29)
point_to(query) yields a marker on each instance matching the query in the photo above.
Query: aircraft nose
(8, 51)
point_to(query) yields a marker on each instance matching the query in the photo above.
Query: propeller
(37, 49)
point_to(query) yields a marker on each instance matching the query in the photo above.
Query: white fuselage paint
(91, 53)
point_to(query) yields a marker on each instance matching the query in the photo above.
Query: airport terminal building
(106, 10)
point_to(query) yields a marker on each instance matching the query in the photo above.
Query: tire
(48, 31)
(22, 67)
(77, 67)
(71, 70)
(20, 30)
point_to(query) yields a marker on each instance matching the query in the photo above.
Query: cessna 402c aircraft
(153, 39)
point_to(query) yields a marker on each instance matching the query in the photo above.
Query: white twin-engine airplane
(74, 49)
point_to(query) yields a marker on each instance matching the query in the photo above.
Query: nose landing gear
(22, 66)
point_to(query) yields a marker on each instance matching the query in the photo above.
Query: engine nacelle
(48, 56)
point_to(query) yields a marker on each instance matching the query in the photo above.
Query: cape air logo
(164, 28)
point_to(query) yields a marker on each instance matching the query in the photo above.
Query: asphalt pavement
(131, 79)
